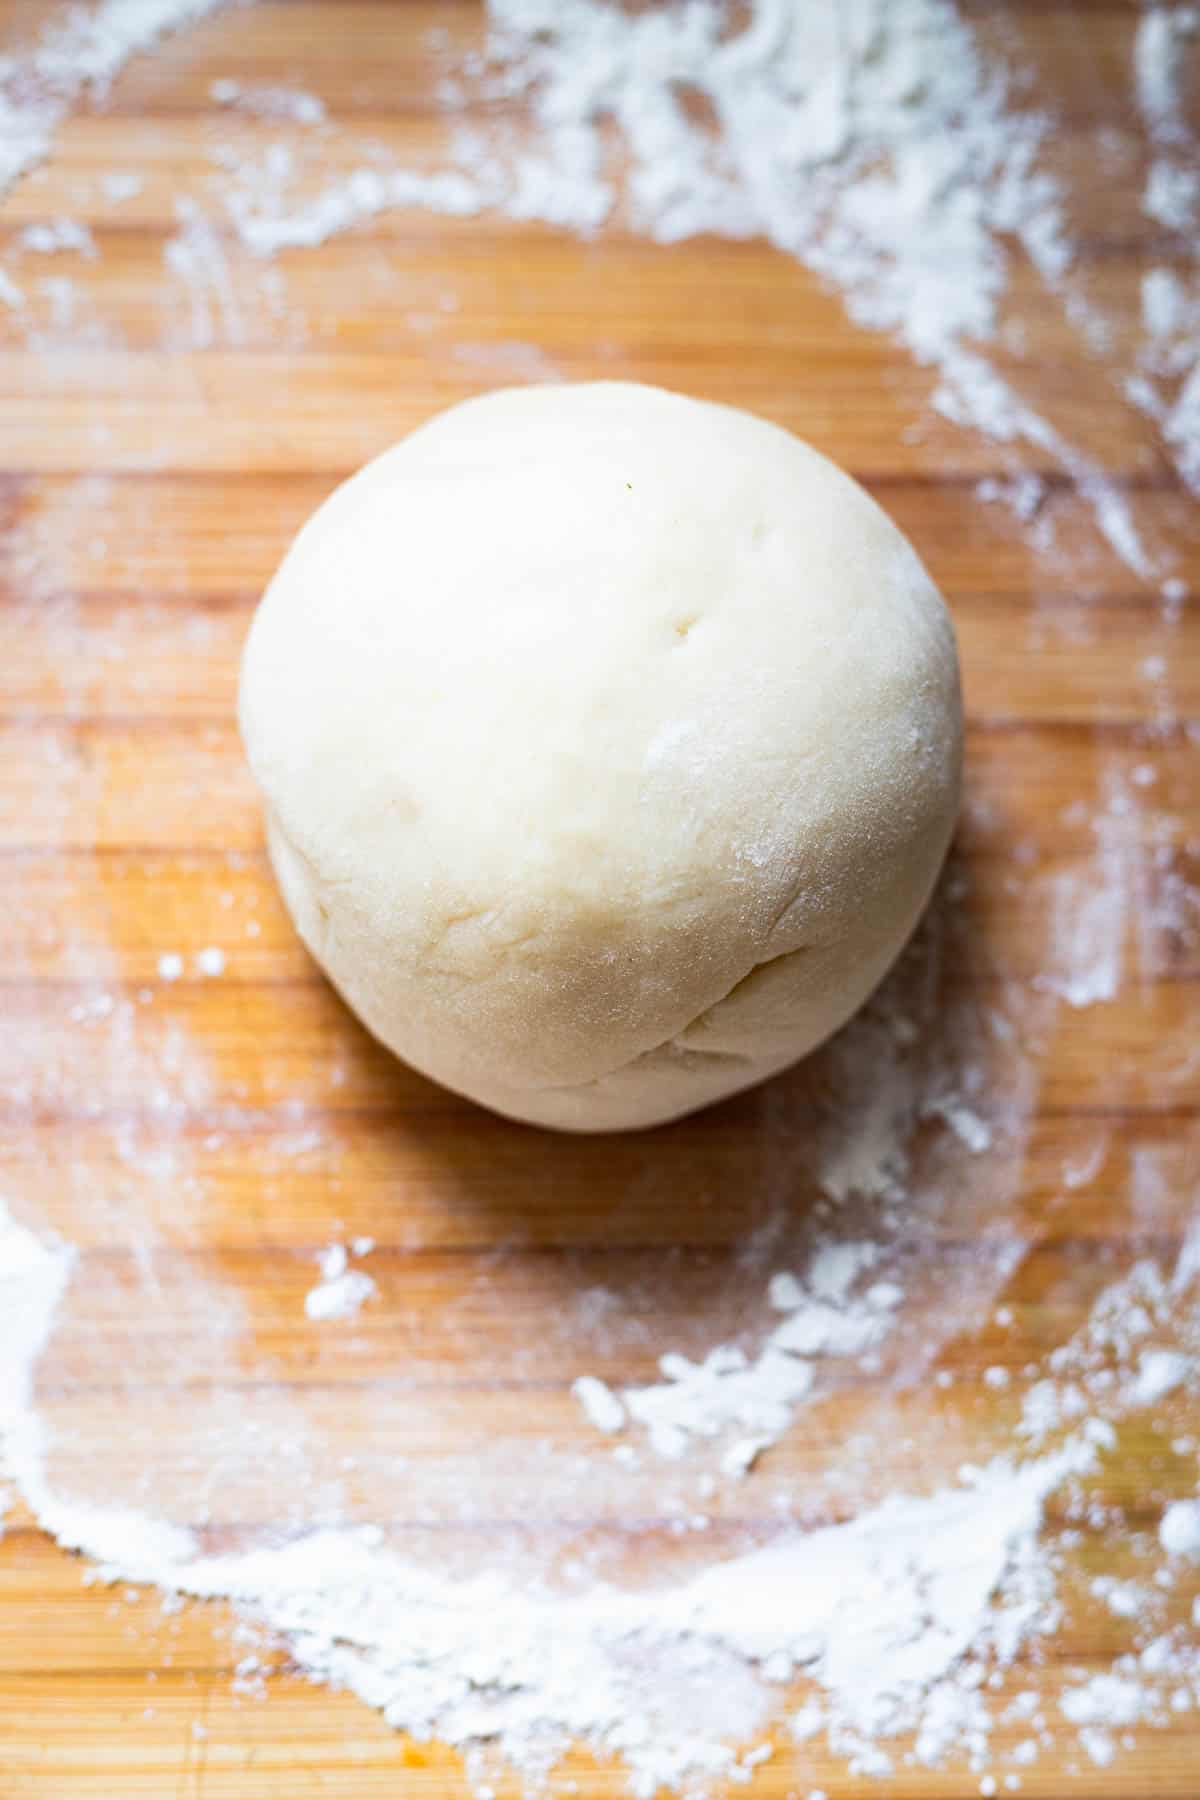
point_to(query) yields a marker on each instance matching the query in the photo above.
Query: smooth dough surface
(610, 743)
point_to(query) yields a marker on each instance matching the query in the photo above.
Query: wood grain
(156, 456)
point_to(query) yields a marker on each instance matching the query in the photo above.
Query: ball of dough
(611, 746)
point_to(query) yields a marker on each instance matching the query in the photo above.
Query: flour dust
(799, 1530)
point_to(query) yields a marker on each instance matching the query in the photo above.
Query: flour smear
(789, 1547)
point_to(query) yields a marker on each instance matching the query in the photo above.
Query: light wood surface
(128, 826)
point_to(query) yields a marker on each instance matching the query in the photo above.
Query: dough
(610, 743)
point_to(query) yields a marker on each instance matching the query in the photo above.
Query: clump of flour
(341, 1290)
(757, 1396)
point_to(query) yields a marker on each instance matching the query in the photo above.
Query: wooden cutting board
(149, 482)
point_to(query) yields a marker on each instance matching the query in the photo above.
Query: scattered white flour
(835, 1307)
(600, 1404)
(1093, 908)
(341, 1290)
(1172, 196)
(196, 255)
(963, 1120)
(81, 56)
(362, 195)
(1182, 430)
(1104, 1700)
(1187, 1267)
(877, 1612)
(1179, 1532)
(894, 1619)
(121, 185)
(58, 235)
(1159, 1373)
(876, 143)
(291, 105)
(704, 1399)
(1124, 1599)
(33, 1279)
(758, 1395)
(1165, 307)
(1160, 47)
(878, 146)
